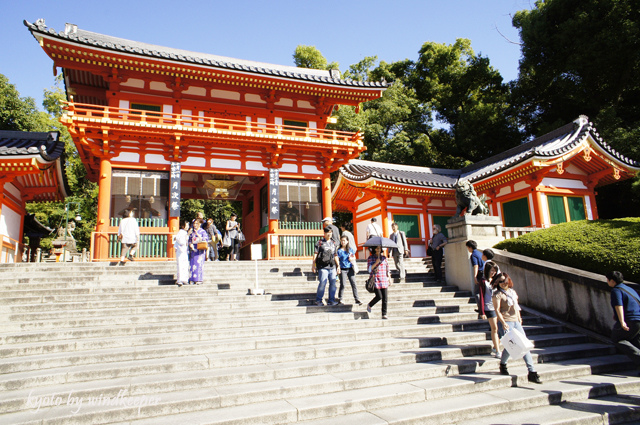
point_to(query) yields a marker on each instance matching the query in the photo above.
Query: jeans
(381, 294)
(323, 275)
(527, 357)
(436, 259)
(628, 341)
(344, 275)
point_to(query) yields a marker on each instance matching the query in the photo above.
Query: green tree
(19, 113)
(310, 57)
(583, 57)
(468, 98)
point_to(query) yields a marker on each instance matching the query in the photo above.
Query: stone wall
(569, 294)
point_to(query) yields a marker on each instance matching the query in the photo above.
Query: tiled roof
(25, 143)
(88, 38)
(358, 170)
(553, 144)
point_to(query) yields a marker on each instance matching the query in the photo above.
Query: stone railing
(514, 232)
(572, 295)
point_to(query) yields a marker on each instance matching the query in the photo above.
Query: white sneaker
(496, 354)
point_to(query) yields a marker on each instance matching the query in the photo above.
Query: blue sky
(345, 31)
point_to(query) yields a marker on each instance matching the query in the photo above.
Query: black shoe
(131, 258)
(503, 369)
(358, 302)
(534, 377)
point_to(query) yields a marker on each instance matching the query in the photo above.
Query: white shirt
(129, 230)
(373, 230)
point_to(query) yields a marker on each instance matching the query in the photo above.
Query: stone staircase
(98, 343)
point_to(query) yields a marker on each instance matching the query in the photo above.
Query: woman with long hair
(379, 267)
(491, 270)
(345, 257)
(505, 301)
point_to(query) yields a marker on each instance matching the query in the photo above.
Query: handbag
(429, 251)
(354, 264)
(370, 286)
(516, 343)
(226, 240)
(202, 246)
(241, 237)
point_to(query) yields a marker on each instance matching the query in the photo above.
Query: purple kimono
(198, 256)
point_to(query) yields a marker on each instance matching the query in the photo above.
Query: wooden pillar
(273, 235)
(385, 215)
(326, 195)
(539, 208)
(104, 200)
(425, 221)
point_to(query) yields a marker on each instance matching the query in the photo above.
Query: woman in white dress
(180, 242)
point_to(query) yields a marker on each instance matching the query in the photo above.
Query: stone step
(328, 395)
(489, 406)
(62, 302)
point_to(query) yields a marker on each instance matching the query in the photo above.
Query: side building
(549, 180)
(31, 170)
(154, 125)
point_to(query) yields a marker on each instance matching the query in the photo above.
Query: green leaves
(596, 246)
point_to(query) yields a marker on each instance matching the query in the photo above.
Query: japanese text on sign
(274, 191)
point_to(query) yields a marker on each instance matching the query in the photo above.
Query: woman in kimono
(181, 242)
(197, 255)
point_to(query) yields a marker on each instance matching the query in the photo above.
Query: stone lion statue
(466, 197)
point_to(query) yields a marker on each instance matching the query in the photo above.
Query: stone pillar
(485, 230)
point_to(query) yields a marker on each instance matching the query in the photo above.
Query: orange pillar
(326, 195)
(385, 216)
(102, 222)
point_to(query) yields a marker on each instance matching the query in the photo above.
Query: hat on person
(327, 219)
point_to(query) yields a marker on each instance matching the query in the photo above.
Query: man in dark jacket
(626, 306)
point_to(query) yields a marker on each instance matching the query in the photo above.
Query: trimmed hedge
(597, 246)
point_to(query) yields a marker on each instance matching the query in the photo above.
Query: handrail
(17, 246)
(203, 124)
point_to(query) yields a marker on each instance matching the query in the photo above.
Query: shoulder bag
(370, 286)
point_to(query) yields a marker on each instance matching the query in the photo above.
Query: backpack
(325, 257)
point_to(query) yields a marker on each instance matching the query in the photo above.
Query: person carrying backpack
(324, 261)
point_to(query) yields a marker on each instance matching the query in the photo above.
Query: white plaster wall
(160, 86)
(413, 201)
(250, 97)
(129, 157)
(587, 204)
(10, 222)
(368, 204)
(396, 200)
(520, 185)
(504, 191)
(10, 188)
(310, 169)
(197, 91)
(256, 165)
(155, 159)
(565, 183)
(225, 94)
(532, 210)
(133, 82)
(232, 164)
(284, 102)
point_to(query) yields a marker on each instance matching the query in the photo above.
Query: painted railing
(202, 125)
(11, 250)
(142, 222)
(153, 245)
(297, 246)
(299, 225)
(514, 232)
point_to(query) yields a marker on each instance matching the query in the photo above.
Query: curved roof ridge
(124, 45)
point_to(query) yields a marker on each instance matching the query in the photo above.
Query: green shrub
(597, 246)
